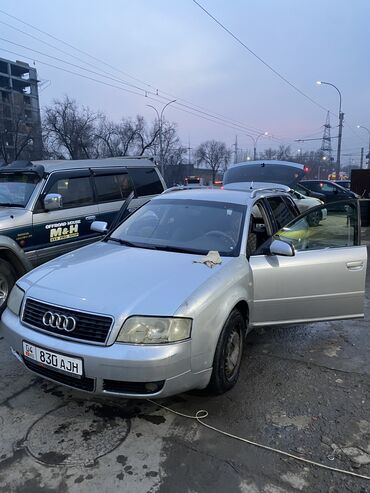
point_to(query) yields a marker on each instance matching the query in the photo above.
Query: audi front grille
(88, 327)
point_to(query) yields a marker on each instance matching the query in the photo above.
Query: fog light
(152, 387)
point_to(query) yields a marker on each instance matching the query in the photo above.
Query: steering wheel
(224, 236)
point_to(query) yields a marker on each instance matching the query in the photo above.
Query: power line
(238, 40)
(145, 93)
(156, 91)
(278, 74)
(70, 46)
(233, 127)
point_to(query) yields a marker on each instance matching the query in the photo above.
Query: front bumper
(132, 364)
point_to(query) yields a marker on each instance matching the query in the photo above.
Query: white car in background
(274, 174)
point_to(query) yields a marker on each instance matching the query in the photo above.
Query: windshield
(189, 226)
(16, 188)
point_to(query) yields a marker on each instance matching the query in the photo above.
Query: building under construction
(20, 123)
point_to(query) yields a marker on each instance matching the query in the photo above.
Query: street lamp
(160, 124)
(368, 131)
(255, 140)
(340, 128)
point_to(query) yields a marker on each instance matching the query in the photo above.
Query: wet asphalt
(303, 389)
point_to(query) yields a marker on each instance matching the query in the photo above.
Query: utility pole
(368, 155)
(236, 149)
(337, 168)
(189, 159)
(362, 158)
(160, 125)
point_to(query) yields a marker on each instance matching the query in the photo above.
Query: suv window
(282, 214)
(146, 181)
(75, 192)
(113, 187)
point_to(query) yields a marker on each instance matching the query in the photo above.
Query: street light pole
(340, 127)
(160, 124)
(255, 140)
(368, 131)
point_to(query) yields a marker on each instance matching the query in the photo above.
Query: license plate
(53, 360)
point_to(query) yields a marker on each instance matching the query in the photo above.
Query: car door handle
(355, 265)
(90, 218)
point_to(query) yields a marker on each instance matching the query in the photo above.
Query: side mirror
(99, 227)
(53, 202)
(283, 248)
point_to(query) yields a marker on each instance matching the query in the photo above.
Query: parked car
(331, 190)
(47, 207)
(274, 173)
(308, 193)
(163, 303)
(344, 183)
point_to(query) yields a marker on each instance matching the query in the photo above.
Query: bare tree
(282, 153)
(17, 141)
(214, 155)
(70, 130)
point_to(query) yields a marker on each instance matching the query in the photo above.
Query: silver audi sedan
(163, 303)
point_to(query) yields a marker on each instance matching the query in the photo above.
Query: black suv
(47, 207)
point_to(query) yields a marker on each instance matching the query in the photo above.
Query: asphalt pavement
(303, 389)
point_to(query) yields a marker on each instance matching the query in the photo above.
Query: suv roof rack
(23, 166)
(179, 188)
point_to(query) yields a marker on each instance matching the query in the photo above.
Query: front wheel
(228, 355)
(7, 281)
(314, 218)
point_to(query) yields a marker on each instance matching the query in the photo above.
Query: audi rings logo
(57, 321)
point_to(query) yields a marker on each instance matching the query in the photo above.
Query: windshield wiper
(170, 248)
(122, 242)
(10, 204)
(167, 248)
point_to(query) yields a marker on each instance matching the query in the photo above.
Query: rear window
(265, 173)
(113, 187)
(146, 181)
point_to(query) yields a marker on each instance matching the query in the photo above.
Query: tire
(7, 281)
(314, 218)
(228, 355)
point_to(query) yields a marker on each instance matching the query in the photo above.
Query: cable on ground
(202, 414)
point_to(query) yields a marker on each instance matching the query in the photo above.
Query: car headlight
(15, 299)
(154, 330)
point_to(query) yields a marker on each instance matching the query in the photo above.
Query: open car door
(321, 277)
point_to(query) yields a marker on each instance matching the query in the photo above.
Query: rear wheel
(228, 355)
(7, 281)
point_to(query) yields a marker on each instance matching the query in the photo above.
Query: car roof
(216, 195)
(111, 162)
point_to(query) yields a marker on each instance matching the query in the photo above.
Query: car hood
(269, 171)
(10, 213)
(119, 281)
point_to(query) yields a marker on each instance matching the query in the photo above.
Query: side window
(75, 192)
(328, 188)
(314, 186)
(113, 187)
(330, 226)
(146, 181)
(282, 214)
